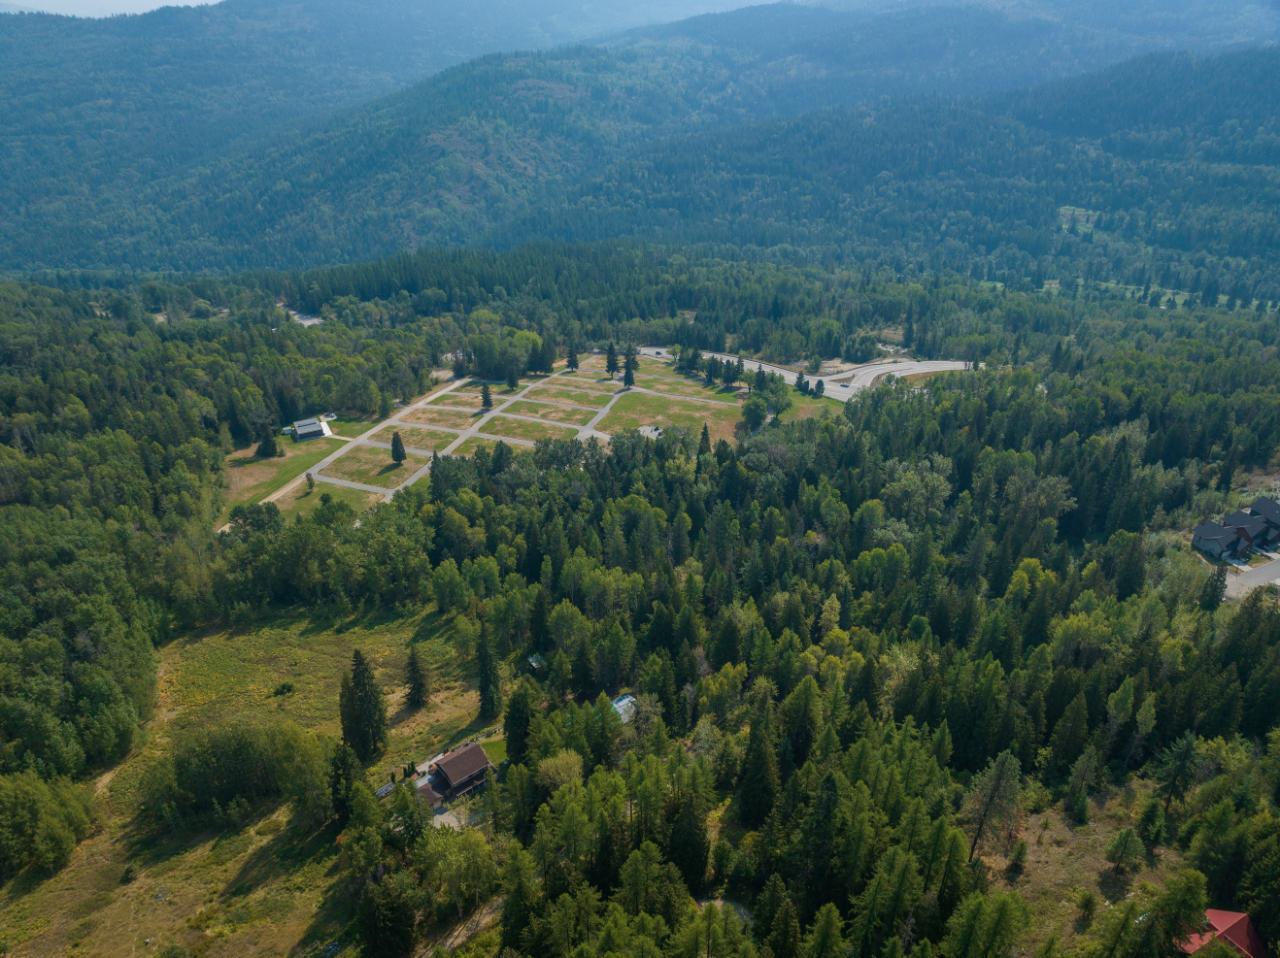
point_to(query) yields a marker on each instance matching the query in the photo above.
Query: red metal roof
(1232, 927)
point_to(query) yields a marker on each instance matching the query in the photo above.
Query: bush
(220, 774)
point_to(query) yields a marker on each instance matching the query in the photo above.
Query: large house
(1257, 527)
(452, 775)
(1233, 929)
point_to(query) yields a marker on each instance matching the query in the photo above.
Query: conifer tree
(704, 441)
(760, 781)
(825, 938)
(611, 361)
(515, 728)
(344, 772)
(487, 675)
(1125, 851)
(415, 678)
(486, 396)
(571, 359)
(268, 448)
(398, 455)
(992, 801)
(363, 713)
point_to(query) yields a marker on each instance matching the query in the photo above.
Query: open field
(551, 413)
(437, 415)
(350, 427)
(475, 443)
(594, 399)
(431, 440)
(645, 409)
(264, 889)
(371, 465)
(301, 501)
(809, 407)
(509, 427)
(250, 479)
(1064, 859)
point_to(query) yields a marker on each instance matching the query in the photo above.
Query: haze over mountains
(206, 151)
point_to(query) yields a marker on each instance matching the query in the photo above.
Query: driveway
(1241, 584)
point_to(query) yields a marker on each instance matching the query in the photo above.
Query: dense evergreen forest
(862, 645)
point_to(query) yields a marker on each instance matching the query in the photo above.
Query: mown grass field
(540, 410)
(301, 501)
(264, 889)
(571, 393)
(250, 479)
(511, 428)
(437, 415)
(429, 440)
(645, 409)
(374, 467)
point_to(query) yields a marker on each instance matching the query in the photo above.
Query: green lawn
(435, 415)
(551, 413)
(431, 440)
(642, 409)
(593, 399)
(250, 479)
(510, 428)
(373, 466)
(302, 501)
(351, 427)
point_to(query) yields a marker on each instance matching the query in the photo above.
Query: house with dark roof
(1253, 529)
(1234, 929)
(454, 774)
(1218, 541)
(311, 429)
(1269, 510)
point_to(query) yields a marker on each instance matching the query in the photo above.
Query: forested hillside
(664, 127)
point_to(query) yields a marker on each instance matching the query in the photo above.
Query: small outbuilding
(625, 706)
(1232, 928)
(313, 428)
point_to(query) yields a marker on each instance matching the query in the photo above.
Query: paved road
(841, 386)
(1241, 584)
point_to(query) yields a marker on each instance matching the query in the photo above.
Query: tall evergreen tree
(519, 718)
(760, 780)
(418, 687)
(398, 455)
(611, 360)
(571, 358)
(362, 710)
(268, 447)
(486, 396)
(487, 676)
(344, 771)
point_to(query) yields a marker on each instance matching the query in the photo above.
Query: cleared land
(373, 466)
(579, 397)
(645, 409)
(430, 440)
(264, 889)
(509, 427)
(551, 413)
(436, 415)
(250, 479)
(301, 501)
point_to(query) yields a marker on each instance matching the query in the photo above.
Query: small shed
(625, 706)
(313, 428)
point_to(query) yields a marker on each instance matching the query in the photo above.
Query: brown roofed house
(454, 774)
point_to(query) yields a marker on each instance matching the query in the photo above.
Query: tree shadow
(281, 856)
(1113, 884)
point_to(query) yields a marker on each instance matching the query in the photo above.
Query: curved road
(840, 386)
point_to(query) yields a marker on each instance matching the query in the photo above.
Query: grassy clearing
(1064, 860)
(302, 501)
(510, 428)
(351, 427)
(809, 407)
(551, 413)
(264, 889)
(430, 440)
(434, 415)
(373, 466)
(250, 479)
(593, 399)
(642, 409)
